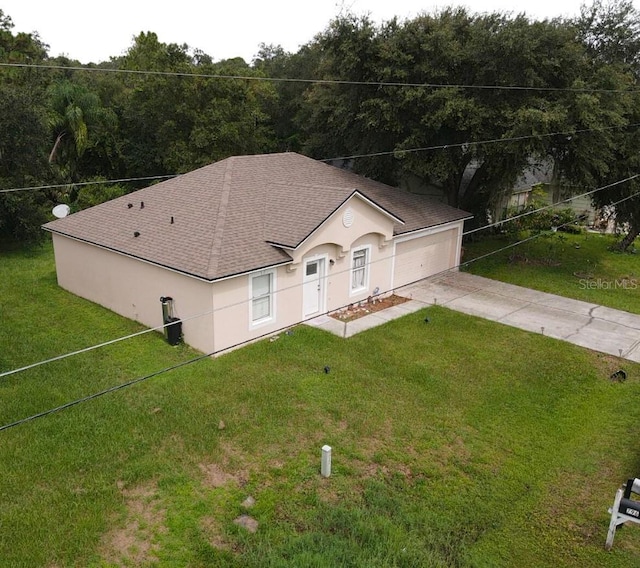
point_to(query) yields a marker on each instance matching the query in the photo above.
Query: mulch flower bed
(369, 306)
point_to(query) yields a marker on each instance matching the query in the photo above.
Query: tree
(76, 116)
(19, 48)
(462, 60)
(96, 193)
(23, 138)
(283, 109)
(624, 198)
(611, 34)
(172, 123)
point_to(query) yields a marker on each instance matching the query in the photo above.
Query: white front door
(313, 287)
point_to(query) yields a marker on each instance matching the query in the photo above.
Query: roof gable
(292, 233)
(220, 220)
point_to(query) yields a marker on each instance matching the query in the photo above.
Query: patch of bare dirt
(524, 259)
(215, 476)
(247, 522)
(214, 534)
(451, 453)
(608, 366)
(369, 306)
(228, 468)
(134, 543)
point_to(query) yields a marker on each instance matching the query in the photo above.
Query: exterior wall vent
(347, 217)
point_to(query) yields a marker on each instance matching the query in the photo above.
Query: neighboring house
(251, 245)
(539, 178)
(514, 200)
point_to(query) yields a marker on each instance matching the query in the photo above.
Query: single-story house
(252, 244)
(538, 182)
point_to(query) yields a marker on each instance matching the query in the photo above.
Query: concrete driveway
(589, 325)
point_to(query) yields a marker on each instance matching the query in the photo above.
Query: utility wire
(315, 81)
(464, 264)
(245, 342)
(101, 393)
(551, 206)
(97, 346)
(293, 286)
(398, 153)
(83, 183)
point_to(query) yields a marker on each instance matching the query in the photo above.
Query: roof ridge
(216, 241)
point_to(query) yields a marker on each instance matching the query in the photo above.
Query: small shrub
(572, 229)
(540, 221)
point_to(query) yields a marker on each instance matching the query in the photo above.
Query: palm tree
(75, 113)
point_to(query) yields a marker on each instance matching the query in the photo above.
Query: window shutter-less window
(358, 279)
(261, 290)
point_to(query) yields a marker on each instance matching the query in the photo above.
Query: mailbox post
(624, 510)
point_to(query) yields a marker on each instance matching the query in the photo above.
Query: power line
(287, 288)
(101, 393)
(245, 342)
(538, 235)
(83, 183)
(315, 81)
(398, 153)
(491, 141)
(97, 346)
(551, 206)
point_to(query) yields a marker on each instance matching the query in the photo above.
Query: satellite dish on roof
(61, 210)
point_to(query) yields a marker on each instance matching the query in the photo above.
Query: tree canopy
(23, 136)
(451, 100)
(491, 93)
(611, 34)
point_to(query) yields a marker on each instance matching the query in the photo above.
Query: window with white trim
(360, 269)
(262, 305)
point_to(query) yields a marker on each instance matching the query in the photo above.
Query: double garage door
(424, 256)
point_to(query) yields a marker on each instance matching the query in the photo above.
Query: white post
(614, 520)
(325, 468)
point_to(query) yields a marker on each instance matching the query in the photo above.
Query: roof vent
(136, 234)
(172, 219)
(129, 205)
(142, 205)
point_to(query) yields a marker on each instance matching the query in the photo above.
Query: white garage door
(424, 256)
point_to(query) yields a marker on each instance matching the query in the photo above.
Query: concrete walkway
(589, 325)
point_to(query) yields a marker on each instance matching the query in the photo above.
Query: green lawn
(458, 443)
(576, 266)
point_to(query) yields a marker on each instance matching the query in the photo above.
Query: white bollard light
(325, 467)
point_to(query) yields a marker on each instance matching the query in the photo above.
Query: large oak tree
(497, 93)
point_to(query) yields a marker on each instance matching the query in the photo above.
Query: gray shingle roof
(225, 215)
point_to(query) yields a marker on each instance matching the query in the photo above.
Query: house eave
(165, 266)
(461, 219)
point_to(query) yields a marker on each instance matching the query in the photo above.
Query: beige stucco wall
(133, 288)
(232, 304)
(370, 227)
(331, 241)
